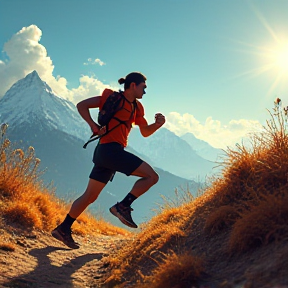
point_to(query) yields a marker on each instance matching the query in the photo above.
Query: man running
(110, 156)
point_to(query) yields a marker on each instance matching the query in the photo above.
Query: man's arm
(83, 109)
(147, 130)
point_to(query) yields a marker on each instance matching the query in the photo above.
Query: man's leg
(123, 210)
(148, 178)
(63, 231)
(89, 196)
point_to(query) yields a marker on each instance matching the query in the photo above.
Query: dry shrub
(263, 224)
(23, 214)
(220, 219)
(18, 169)
(47, 209)
(176, 271)
(241, 178)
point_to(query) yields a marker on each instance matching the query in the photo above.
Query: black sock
(67, 223)
(128, 200)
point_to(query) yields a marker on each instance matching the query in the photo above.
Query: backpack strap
(96, 137)
(131, 115)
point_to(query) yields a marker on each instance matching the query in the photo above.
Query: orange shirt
(120, 133)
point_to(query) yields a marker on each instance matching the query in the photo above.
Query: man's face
(140, 90)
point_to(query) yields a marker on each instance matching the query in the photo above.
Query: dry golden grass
(248, 205)
(176, 271)
(26, 203)
(265, 223)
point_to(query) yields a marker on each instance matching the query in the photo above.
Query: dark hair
(135, 77)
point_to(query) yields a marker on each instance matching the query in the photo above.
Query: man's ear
(133, 85)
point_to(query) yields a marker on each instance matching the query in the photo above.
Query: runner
(110, 156)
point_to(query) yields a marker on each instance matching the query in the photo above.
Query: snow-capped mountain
(202, 148)
(31, 100)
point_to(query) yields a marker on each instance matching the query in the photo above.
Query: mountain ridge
(173, 154)
(202, 148)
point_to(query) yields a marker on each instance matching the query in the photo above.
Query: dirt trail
(41, 261)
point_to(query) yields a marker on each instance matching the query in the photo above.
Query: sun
(274, 60)
(281, 58)
(271, 60)
(270, 57)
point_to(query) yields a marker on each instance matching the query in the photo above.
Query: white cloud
(26, 54)
(212, 131)
(94, 62)
(88, 86)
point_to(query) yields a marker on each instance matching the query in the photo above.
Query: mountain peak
(203, 148)
(32, 75)
(30, 100)
(34, 79)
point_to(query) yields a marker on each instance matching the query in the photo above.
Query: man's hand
(97, 130)
(147, 130)
(159, 119)
(102, 130)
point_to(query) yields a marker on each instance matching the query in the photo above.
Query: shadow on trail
(47, 275)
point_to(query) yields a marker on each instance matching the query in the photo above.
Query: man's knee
(154, 178)
(147, 172)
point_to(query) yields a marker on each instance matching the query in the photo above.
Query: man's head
(135, 82)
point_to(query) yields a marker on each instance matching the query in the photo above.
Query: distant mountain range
(172, 154)
(202, 148)
(39, 118)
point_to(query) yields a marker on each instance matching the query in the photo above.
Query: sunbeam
(271, 56)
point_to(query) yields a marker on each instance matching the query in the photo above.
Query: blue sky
(213, 66)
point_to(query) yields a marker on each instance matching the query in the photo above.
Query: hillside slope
(233, 235)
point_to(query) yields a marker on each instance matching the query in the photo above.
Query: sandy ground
(41, 261)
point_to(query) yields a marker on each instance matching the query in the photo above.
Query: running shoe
(123, 213)
(65, 237)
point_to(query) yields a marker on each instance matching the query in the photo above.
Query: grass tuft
(23, 214)
(176, 271)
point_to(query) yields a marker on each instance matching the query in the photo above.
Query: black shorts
(110, 158)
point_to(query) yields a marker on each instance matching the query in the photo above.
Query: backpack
(111, 106)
